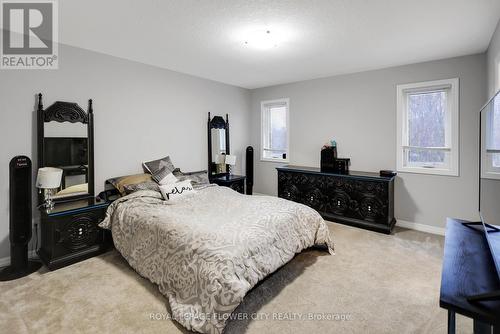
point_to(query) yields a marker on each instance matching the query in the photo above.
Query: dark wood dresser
(70, 232)
(470, 284)
(359, 198)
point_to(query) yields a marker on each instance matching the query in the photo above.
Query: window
(490, 118)
(275, 137)
(428, 125)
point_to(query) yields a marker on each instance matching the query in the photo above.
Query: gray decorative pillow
(148, 185)
(198, 179)
(154, 166)
(164, 176)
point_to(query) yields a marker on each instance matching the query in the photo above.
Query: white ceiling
(323, 37)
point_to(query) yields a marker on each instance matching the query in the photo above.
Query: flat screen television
(65, 151)
(489, 180)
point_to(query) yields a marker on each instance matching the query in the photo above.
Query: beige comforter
(207, 251)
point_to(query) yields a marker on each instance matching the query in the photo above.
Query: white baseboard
(5, 261)
(421, 227)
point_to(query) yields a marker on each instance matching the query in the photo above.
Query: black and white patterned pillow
(198, 179)
(164, 176)
(154, 166)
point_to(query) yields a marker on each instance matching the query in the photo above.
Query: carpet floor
(375, 283)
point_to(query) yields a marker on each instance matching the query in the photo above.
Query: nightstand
(235, 182)
(70, 232)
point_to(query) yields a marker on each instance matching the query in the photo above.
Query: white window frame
(452, 131)
(264, 105)
(487, 169)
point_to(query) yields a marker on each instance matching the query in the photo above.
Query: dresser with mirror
(69, 228)
(220, 161)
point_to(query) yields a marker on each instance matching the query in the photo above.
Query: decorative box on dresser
(70, 232)
(360, 199)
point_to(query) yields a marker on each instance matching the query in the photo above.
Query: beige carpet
(375, 283)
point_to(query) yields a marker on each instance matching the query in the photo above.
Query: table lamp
(48, 179)
(220, 163)
(231, 161)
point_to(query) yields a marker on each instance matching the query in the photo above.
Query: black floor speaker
(20, 220)
(249, 170)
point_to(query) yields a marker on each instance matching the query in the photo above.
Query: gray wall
(359, 111)
(141, 113)
(493, 63)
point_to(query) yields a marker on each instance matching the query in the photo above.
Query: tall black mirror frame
(217, 122)
(71, 112)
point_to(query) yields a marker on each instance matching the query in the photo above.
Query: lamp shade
(231, 160)
(48, 178)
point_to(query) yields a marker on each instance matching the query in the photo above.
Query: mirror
(489, 181)
(65, 141)
(219, 149)
(218, 145)
(66, 147)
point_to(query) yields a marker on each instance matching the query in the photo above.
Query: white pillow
(167, 179)
(175, 191)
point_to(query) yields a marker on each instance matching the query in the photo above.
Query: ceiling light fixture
(261, 39)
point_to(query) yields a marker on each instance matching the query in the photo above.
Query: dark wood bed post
(227, 135)
(40, 134)
(90, 129)
(209, 148)
(228, 151)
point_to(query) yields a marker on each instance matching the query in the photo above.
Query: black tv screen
(489, 181)
(65, 151)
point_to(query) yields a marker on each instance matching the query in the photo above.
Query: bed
(208, 250)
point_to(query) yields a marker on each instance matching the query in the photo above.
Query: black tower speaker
(20, 220)
(249, 170)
